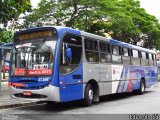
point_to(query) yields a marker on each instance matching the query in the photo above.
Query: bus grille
(31, 96)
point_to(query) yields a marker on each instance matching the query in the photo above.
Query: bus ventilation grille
(31, 96)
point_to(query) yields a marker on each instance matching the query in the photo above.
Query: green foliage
(6, 36)
(70, 13)
(122, 19)
(141, 26)
(10, 11)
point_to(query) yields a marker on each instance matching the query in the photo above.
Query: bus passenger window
(116, 54)
(144, 59)
(135, 58)
(147, 59)
(126, 56)
(91, 50)
(151, 59)
(155, 60)
(105, 55)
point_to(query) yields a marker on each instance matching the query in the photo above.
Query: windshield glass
(34, 58)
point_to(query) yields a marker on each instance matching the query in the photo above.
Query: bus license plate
(27, 93)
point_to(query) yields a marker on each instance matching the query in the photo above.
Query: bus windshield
(33, 58)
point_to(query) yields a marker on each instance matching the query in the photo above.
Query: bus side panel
(105, 77)
(131, 76)
(148, 73)
(117, 72)
(101, 74)
(151, 76)
(71, 85)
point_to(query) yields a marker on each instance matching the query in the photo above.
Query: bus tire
(88, 95)
(142, 88)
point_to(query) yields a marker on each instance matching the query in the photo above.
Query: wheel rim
(90, 94)
(142, 87)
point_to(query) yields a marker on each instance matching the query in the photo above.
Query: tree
(6, 36)
(122, 19)
(61, 12)
(10, 11)
(135, 25)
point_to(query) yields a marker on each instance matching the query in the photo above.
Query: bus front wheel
(88, 95)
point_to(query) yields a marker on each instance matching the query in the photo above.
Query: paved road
(111, 104)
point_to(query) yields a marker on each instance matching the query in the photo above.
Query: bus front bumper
(50, 93)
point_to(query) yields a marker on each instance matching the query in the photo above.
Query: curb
(21, 105)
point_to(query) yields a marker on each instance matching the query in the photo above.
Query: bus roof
(116, 42)
(78, 32)
(112, 41)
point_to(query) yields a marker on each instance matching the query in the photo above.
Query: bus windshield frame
(34, 53)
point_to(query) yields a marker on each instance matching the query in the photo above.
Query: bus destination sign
(34, 35)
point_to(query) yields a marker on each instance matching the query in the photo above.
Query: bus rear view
(33, 63)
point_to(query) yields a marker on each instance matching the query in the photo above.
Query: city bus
(61, 64)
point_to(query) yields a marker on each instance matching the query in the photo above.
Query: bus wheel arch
(91, 92)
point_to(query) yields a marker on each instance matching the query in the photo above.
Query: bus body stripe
(130, 82)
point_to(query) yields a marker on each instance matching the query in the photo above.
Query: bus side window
(105, 56)
(74, 43)
(147, 59)
(151, 59)
(91, 50)
(144, 60)
(135, 57)
(116, 54)
(126, 56)
(155, 60)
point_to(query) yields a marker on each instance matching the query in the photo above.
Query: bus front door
(70, 70)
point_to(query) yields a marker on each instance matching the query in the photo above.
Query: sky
(152, 6)
(35, 3)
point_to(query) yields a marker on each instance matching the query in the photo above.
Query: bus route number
(43, 79)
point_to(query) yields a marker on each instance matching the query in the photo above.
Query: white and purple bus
(60, 64)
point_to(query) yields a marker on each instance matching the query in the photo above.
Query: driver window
(70, 63)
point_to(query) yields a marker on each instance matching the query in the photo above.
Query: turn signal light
(16, 84)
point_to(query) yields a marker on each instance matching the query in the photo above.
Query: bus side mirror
(6, 51)
(68, 54)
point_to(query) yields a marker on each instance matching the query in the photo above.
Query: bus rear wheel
(88, 95)
(142, 88)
